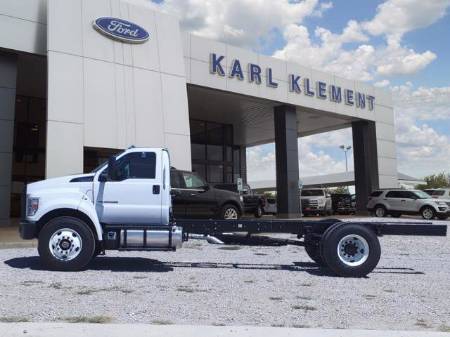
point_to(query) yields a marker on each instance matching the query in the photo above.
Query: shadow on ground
(140, 264)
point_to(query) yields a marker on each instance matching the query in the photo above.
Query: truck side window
(137, 165)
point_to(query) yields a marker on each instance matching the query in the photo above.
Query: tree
(440, 180)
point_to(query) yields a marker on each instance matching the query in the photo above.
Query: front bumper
(28, 230)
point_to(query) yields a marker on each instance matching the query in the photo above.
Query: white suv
(396, 202)
(441, 193)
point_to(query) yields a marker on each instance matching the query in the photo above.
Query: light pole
(345, 149)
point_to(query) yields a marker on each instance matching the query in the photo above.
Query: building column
(243, 163)
(365, 162)
(8, 74)
(286, 152)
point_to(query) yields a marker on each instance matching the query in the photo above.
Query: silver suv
(396, 202)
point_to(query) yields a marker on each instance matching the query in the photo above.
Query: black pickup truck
(253, 203)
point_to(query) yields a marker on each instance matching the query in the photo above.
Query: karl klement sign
(318, 89)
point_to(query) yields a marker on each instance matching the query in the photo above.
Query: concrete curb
(136, 330)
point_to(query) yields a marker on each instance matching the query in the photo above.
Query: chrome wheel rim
(379, 212)
(65, 244)
(427, 213)
(230, 213)
(353, 250)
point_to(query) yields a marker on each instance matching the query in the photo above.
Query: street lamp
(345, 148)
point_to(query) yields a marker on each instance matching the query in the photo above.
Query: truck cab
(110, 206)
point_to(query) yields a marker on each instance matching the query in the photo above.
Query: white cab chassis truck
(125, 205)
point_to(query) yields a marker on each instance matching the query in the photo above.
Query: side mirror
(111, 171)
(206, 188)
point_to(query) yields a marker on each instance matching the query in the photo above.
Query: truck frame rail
(303, 227)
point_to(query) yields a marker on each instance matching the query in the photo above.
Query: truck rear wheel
(66, 243)
(350, 250)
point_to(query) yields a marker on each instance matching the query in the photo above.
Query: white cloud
(421, 149)
(398, 60)
(366, 62)
(382, 84)
(397, 17)
(241, 22)
(423, 103)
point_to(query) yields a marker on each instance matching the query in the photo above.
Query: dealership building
(82, 79)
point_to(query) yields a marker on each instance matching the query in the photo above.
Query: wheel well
(234, 203)
(66, 212)
(380, 205)
(427, 206)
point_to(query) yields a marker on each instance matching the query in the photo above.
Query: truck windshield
(312, 193)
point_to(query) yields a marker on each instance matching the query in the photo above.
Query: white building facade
(81, 79)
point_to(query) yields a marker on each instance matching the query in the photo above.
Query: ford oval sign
(121, 30)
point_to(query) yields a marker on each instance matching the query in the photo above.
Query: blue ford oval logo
(121, 30)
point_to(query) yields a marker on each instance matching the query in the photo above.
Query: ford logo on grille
(121, 30)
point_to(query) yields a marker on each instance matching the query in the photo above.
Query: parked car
(342, 203)
(430, 191)
(315, 201)
(253, 202)
(193, 197)
(396, 202)
(441, 193)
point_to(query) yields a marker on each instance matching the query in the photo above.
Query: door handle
(156, 189)
(109, 202)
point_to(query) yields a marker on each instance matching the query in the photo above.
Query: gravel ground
(233, 285)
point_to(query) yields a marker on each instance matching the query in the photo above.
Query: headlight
(321, 202)
(242, 198)
(441, 203)
(32, 206)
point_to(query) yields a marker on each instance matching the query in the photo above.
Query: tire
(259, 212)
(71, 233)
(380, 211)
(428, 213)
(396, 215)
(358, 246)
(442, 217)
(229, 212)
(313, 251)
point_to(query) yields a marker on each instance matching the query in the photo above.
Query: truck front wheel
(351, 250)
(66, 243)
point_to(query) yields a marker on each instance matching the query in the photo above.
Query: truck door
(134, 197)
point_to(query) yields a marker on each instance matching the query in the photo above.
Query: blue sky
(400, 45)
